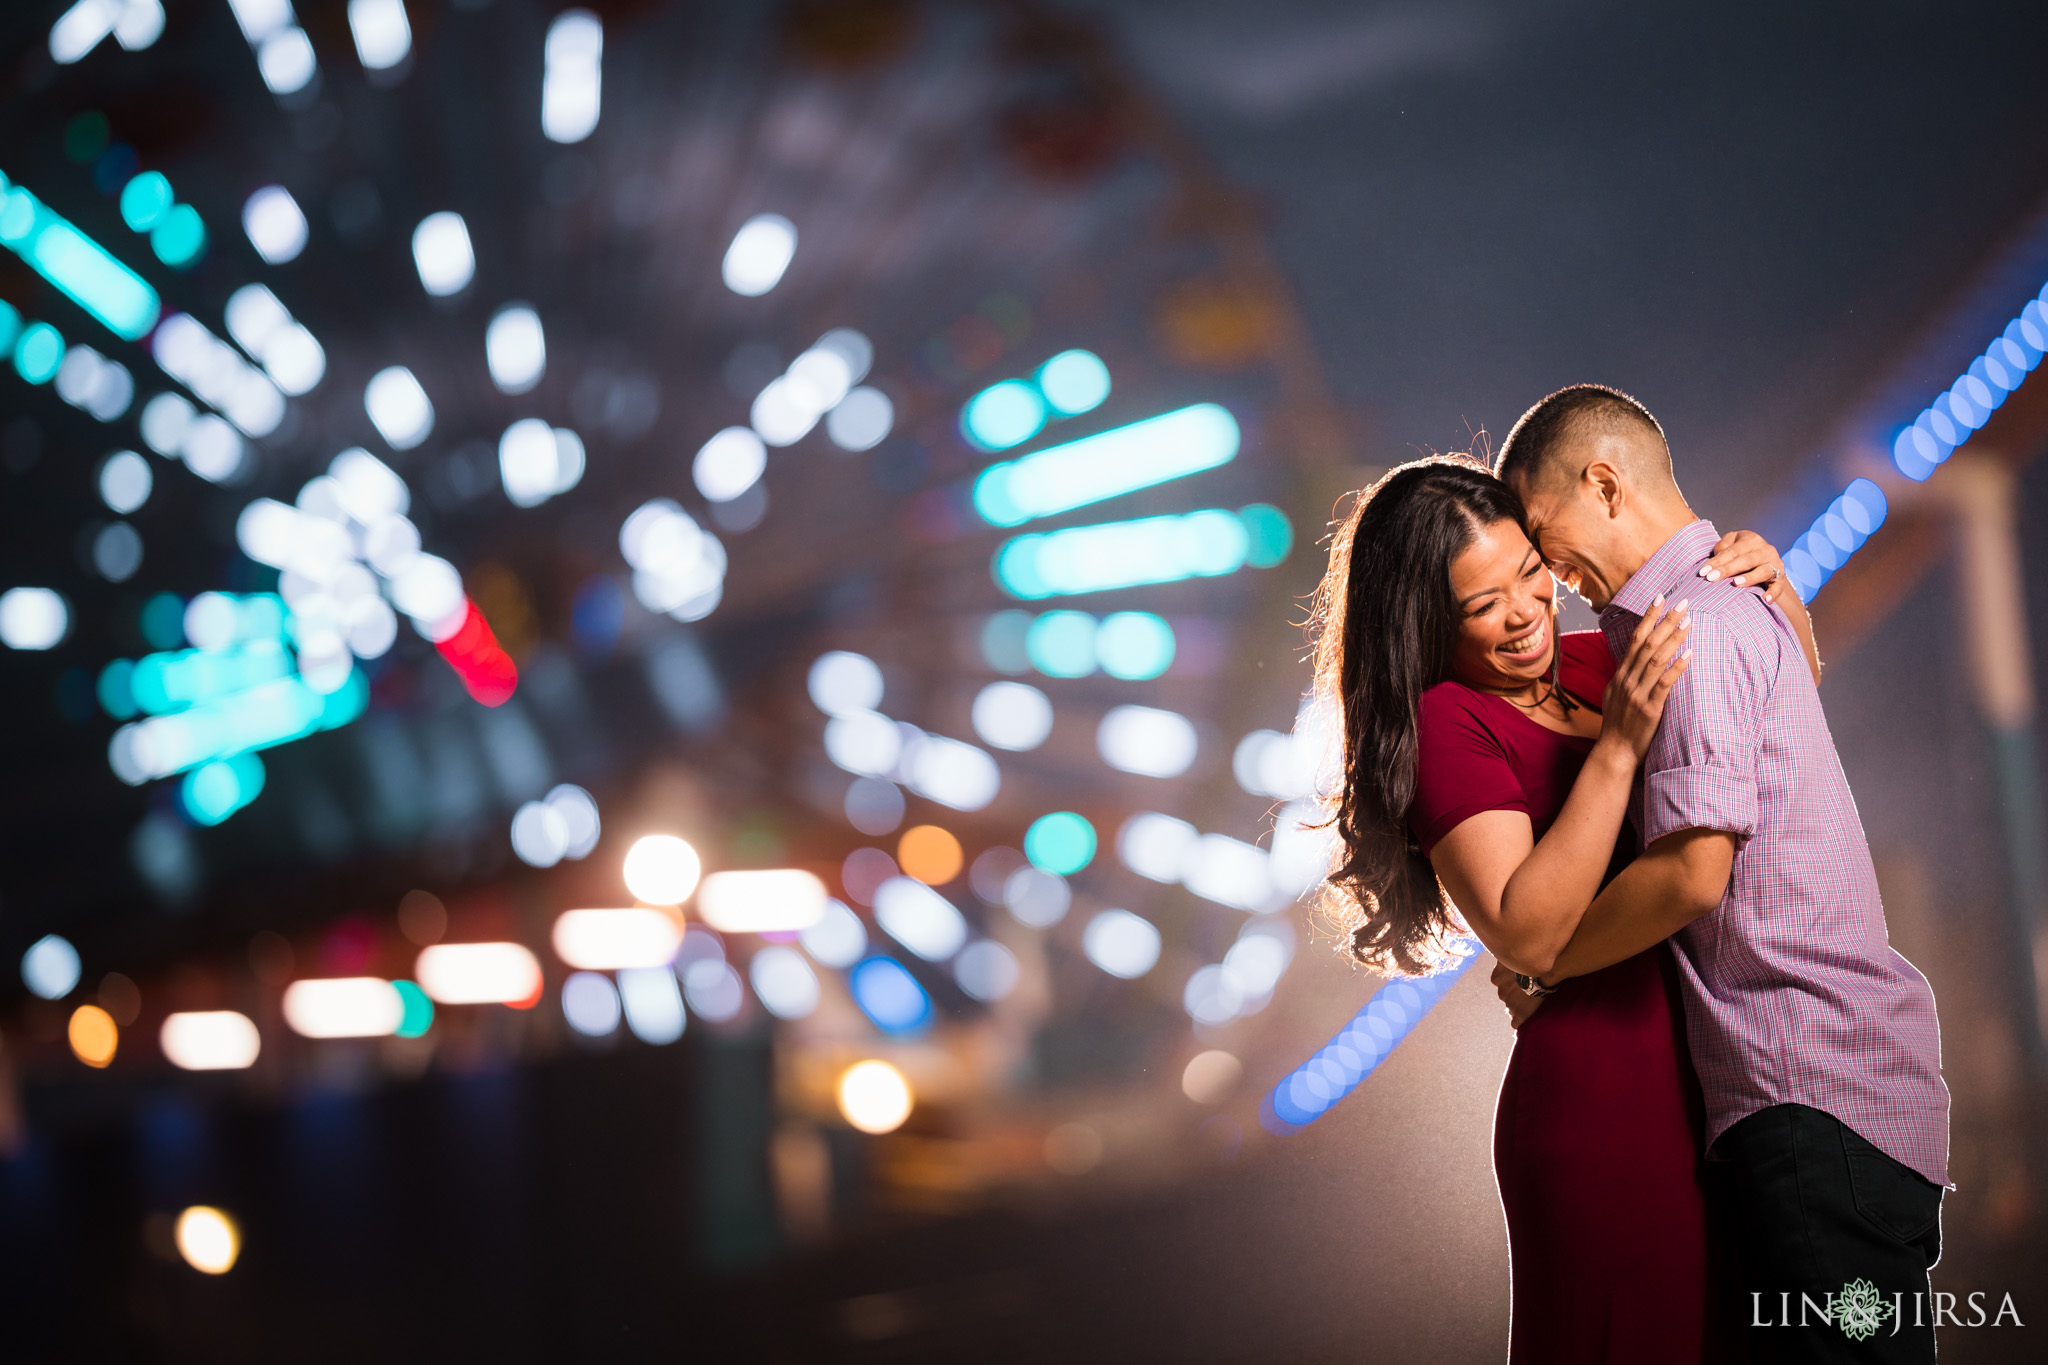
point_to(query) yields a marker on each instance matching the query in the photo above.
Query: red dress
(1596, 1136)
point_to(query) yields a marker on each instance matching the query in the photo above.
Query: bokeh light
(208, 1239)
(843, 683)
(662, 869)
(1146, 740)
(590, 1004)
(920, 918)
(1107, 465)
(1036, 897)
(1121, 943)
(479, 974)
(1012, 715)
(515, 348)
(930, 854)
(1062, 842)
(784, 982)
(125, 481)
(874, 1096)
(93, 1035)
(442, 253)
(50, 967)
(1210, 1076)
(986, 970)
(765, 901)
(838, 939)
(1074, 382)
(1134, 645)
(760, 252)
(210, 1040)
(653, 1004)
(275, 224)
(606, 940)
(1003, 415)
(889, 995)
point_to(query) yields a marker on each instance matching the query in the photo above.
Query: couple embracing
(1725, 1113)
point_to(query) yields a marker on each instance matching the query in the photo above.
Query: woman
(1487, 770)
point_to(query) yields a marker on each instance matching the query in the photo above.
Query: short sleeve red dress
(1596, 1135)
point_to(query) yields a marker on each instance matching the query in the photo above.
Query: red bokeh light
(486, 670)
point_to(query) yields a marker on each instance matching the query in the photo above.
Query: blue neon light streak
(1317, 1085)
(1951, 419)
(77, 265)
(1107, 465)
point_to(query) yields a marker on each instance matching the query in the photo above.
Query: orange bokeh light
(94, 1035)
(929, 854)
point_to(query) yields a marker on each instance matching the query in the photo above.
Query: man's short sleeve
(1701, 769)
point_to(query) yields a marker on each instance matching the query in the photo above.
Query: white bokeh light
(441, 250)
(1012, 715)
(986, 970)
(398, 407)
(1146, 740)
(572, 85)
(515, 348)
(1121, 943)
(861, 420)
(275, 224)
(590, 1004)
(33, 618)
(662, 869)
(382, 33)
(50, 967)
(729, 464)
(125, 481)
(784, 982)
(761, 250)
(920, 918)
(838, 939)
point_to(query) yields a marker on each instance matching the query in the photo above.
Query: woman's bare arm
(1523, 897)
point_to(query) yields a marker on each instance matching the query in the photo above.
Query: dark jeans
(1815, 1208)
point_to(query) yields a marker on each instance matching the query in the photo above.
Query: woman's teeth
(1524, 644)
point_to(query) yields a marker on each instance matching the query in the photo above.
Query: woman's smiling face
(1506, 602)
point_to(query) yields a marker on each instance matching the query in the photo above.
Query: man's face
(1575, 533)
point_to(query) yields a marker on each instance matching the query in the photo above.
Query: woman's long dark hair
(1386, 625)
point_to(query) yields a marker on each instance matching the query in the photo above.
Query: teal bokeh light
(1134, 645)
(419, 1010)
(213, 791)
(1061, 843)
(179, 238)
(1074, 382)
(1123, 554)
(38, 353)
(77, 265)
(1061, 644)
(145, 199)
(1108, 464)
(1270, 534)
(1003, 415)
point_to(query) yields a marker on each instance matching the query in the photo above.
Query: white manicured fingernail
(1738, 582)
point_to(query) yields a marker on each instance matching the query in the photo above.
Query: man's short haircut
(1533, 449)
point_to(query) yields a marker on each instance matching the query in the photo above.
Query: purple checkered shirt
(1792, 991)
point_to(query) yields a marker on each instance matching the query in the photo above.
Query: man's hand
(1520, 1003)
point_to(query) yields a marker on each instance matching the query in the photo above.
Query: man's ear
(1607, 486)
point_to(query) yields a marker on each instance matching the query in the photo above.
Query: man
(1816, 1044)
